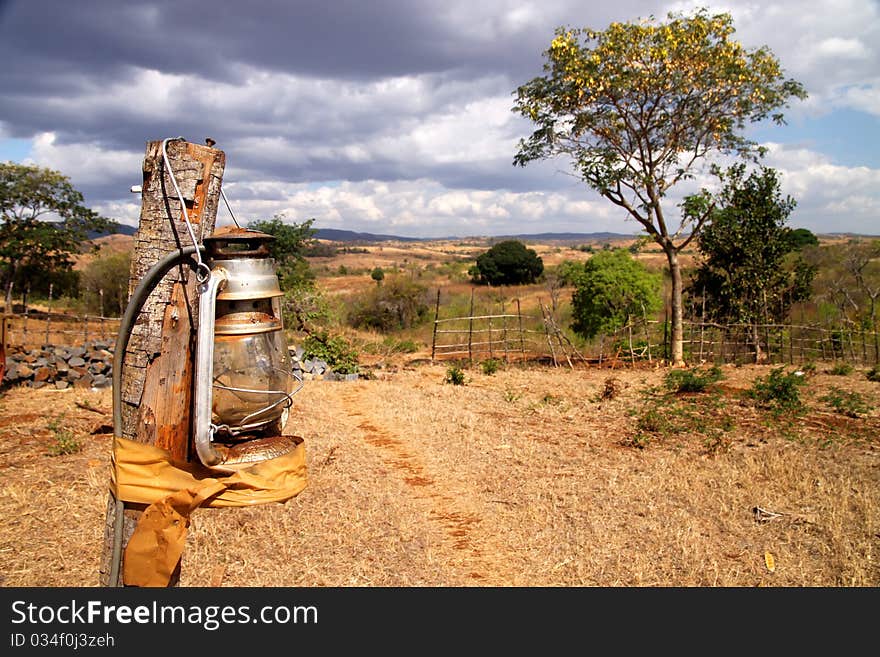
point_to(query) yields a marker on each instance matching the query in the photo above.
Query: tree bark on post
(157, 385)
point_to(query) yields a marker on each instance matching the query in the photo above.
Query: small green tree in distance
(611, 289)
(508, 262)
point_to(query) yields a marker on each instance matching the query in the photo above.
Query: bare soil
(532, 476)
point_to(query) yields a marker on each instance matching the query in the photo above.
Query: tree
(105, 283)
(507, 263)
(638, 106)
(377, 275)
(849, 280)
(612, 288)
(399, 303)
(44, 223)
(288, 249)
(743, 275)
(802, 237)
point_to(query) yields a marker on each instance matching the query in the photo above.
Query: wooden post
(436, 317)
(48, 314)
(522, 340)
(471, 330)
(156, 379)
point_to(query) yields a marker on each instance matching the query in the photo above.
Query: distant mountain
(337, 235)
(123, 229)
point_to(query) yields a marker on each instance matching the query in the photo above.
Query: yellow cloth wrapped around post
(146, 474)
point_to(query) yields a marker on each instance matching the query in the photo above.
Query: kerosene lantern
(243, 378)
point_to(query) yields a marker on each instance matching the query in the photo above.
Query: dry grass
(521, 478)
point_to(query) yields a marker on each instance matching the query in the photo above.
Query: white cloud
(84, 163)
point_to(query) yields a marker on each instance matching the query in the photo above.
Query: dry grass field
(531, 476)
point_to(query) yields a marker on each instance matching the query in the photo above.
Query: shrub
(336, 351)
(490, 366)
(65, 441)
(399, 303)
(874, 373)
(612, 288)
(455, 376)
(692, 380)
(851, 404)
(841, 369)
(779, 391)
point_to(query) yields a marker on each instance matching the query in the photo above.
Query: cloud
(375, 116)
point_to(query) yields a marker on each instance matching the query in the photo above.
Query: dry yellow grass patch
(520, 478)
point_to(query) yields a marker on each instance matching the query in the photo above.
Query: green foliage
(335, 350)
(304, 308)
(851, 404)
(292, 241)
(107, 273)
(742, 270)
(612, 288)
(800, 238)
(29, 243)
(873, 374)
(377, 275)
(399, 303)
(455, 376)
(392, 345)
(693, 380)
(490, 366)
(637, 107)
(508, 262)
(65, 441)
(779, 391)
(568, 271)
(841, 369)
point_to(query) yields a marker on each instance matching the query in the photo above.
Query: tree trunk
(677, 324)
(156, 382)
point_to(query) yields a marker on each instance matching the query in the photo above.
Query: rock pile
(314, 368)
(88, 366)
(91, 366)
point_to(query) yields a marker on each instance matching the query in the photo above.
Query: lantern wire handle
(228, 207)
(203, 271)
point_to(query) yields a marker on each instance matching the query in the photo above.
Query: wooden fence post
(156, 380)
(471, 330)
(436, 317)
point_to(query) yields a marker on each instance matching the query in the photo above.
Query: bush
(455, 376)
(108, 273)
(851, 404)
(490, 366)
(692, 380)
(779, 391)
(336, 351)
(841, 369)
(874, 373)
(399, 303)
(612, 288)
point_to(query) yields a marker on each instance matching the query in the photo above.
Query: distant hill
(123, 229)
(337, 235)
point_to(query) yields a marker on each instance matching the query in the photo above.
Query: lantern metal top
(232, 242)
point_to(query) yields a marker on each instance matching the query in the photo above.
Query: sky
(395, 116)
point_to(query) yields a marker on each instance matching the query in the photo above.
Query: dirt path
(467, 534)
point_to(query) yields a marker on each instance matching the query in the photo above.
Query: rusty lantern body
(243, 378)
